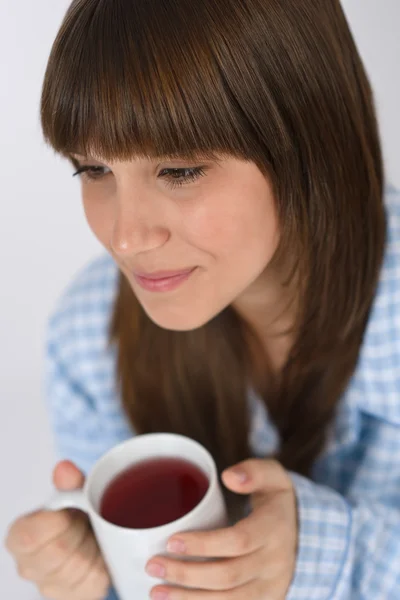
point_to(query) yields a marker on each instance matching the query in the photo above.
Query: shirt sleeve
(347, 550)
(72, 412)
(73, 417)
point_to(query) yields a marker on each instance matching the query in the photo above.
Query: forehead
(216, 157)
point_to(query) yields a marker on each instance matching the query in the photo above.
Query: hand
(57, 550)
(255, 559)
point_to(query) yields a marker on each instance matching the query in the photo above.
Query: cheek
(99, 217)
(231, 230)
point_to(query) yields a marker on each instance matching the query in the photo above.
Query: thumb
(255, 475)
(66, 476)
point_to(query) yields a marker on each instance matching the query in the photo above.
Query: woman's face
(191, 237)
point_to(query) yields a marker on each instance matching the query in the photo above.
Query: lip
(162, 281)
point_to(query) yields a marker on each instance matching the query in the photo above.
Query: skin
(57, 551)
(255, 559)
(224, 223)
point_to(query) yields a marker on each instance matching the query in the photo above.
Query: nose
(138, 227)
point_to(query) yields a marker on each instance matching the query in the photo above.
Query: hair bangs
(122, 83)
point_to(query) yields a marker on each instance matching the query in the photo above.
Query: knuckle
(276, 542)
(262, 590)
(180, 573)
(48, 591)
(22, 535)
(241, 540)
(30, 531)
(203, 547)
(59, 549)
(25, 572)
(98, 579)
(77, 565)
(276, 566)
(231, 576)
(84, 562)
(280, 521)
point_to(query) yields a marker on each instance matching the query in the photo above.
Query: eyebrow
(216, 157)
(74, 161)
(75, 157)
(78, 156)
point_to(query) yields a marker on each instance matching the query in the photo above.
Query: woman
(231, 167)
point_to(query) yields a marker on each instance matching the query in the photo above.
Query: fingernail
(155, 569)
(241, 476)
(176, 547)
(159, 595)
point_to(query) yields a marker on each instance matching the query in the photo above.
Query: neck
(269, 307)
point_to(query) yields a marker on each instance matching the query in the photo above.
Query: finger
(33, 531)
(78, 565)
(94, 586)
(245, 537)
(252, 476)
(51, 557)
(255, 590)
(211, 575)
(95, 583)
(66, 476)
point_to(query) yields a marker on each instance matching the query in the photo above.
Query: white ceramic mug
(126, 551)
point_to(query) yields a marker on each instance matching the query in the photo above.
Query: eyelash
(89, 173)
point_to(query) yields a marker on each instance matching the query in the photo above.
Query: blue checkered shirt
(349, 510)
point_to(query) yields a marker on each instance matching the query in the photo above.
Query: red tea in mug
(153, 493)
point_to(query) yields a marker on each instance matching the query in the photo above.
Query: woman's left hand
(255, 558)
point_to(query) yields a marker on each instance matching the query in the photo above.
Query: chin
(179, 321)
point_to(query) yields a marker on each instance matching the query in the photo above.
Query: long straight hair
(277, 82)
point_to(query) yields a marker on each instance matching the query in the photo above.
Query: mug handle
(73, 499)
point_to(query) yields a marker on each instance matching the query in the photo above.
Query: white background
(44, 238)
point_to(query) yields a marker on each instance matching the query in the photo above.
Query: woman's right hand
(57, 550)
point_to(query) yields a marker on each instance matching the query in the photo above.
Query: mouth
(163, 281)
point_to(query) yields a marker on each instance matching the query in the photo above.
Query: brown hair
(277, 82)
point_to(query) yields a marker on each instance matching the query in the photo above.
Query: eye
(178, 177)
(174, 177)
(91, 172)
